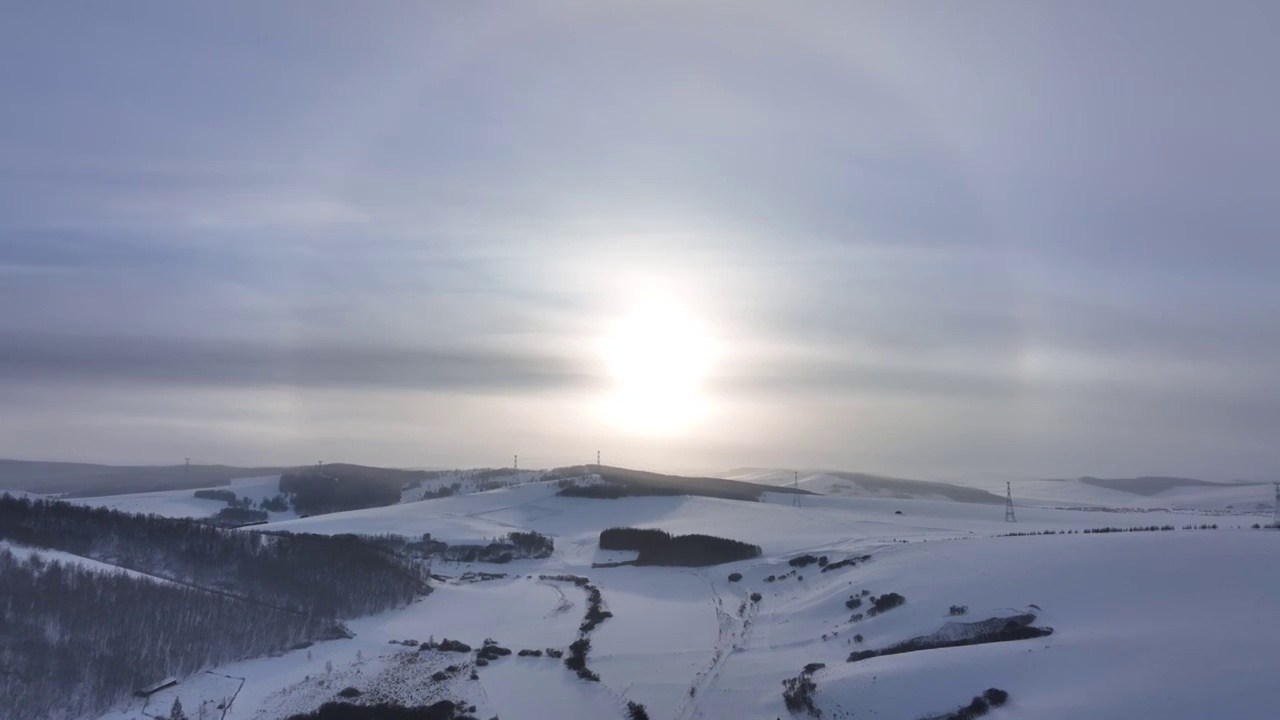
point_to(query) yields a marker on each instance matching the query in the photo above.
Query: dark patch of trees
(636, 711)
(443, 710)
(853, 603)
(626, 538)
(577, 660)
(658, 547)
(959, 609)
(797, 692)
(884, 603)
(802, 561)
(978, 633)
(446, 645)
(596, 613)
(491, 650)
(232, 516)
(977, 707)
(735, 577)
(225, 496)
(275, 503)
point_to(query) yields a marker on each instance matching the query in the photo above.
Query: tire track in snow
(732, 634)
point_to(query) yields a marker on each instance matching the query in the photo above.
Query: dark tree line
(658, 547)
(225, 496)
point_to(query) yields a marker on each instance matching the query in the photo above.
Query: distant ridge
(89, 480)
(909, 488)
(1150, 485)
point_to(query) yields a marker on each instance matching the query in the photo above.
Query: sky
(936, 240)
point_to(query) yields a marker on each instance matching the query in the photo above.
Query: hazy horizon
(1015, 239)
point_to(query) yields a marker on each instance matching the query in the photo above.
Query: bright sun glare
(658, 356)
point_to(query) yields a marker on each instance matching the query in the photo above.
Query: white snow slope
(184, 503)
(1176, 625)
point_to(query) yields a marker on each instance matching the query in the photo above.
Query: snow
(184, 503)
(1148, 624)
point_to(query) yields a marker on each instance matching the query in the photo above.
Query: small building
(150, 690)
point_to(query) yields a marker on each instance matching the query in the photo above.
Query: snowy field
(184, 503)
(1178, 624)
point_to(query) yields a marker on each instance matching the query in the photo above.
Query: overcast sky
(927, 239)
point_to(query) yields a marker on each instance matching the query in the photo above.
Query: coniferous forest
(74, 640)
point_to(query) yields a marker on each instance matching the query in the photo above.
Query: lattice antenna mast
(186, 469)
(795, 485)
(1277, 507)
(515, 462)
(1008, 503)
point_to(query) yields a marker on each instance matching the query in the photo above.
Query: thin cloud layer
(1017, 237)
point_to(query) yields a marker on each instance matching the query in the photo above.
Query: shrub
(735, 577)
(440, 676)
(756, 597)
(554, 653)
(853, 603)
(636, 711)
(959, 609)
(812, 668)
(996, 696)
(349, 692)
(858, 638)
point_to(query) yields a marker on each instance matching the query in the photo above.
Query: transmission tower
(1276, 508)
(1008, 503)
(515, 462)
(186, 469)
(795, 485)
(597, 458)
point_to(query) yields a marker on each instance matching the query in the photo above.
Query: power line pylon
(1008, 503)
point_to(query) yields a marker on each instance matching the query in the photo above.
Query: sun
(658, 356)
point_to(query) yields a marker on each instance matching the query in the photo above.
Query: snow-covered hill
(1169, 624)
